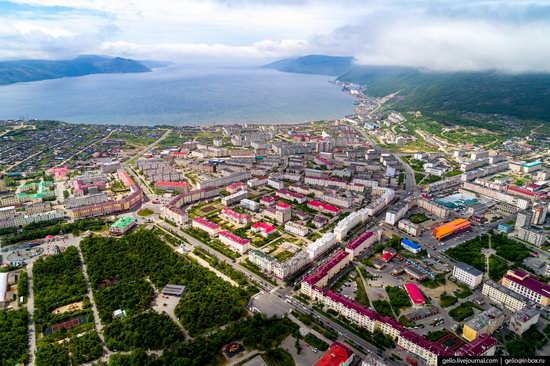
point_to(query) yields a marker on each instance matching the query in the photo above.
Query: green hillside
(34, 70)
(524, 96)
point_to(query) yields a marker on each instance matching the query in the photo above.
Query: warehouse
(414, 294)
(450, 228)
(410, 246)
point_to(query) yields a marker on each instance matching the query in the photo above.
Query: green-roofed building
(123, 225)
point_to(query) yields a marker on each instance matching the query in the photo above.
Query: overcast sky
(508, 35)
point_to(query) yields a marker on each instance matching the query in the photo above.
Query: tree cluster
(127, 262)
(58, 280)
(13, 337)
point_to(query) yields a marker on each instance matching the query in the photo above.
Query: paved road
(30, 308)
(97, 320)
(196, 243)
(86, 148)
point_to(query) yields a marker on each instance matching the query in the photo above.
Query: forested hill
(525, 96)
(314, 64)
(34, 70)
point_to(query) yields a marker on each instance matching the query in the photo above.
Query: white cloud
(440, 34)
(215, 53)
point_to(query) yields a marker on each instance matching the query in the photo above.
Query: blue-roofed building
(411, 246)
(504, 228)
(531, 166)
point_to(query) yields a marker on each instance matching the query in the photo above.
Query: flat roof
(123, 222)
(173, 289)
(409, 243)
(336, 355)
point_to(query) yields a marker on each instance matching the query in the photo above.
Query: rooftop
(524, 279)
(123, 222)
(336, 355)
(414, 293)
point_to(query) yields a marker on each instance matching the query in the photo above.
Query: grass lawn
(418, 218)
(282, 256)
(278, 357)
(144, 212)
(462, 312)
(447, 300)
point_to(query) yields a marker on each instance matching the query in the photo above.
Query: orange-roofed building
(450, 228)
(338, 354)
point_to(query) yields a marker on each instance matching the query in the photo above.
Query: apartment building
(503, 296)
(524, 284)
(486, 322)
(291, 196)
(235, 217)
(522, 320)
(468, 275)
(203, 224)
(263, 260)
(234, 198)
(321, 245)
(362, 243)
(234, 242)
(409, 227)
(296, 229)
(532, 236)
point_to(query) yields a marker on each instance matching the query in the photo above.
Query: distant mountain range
(34, 70)
(525, 96)
(314, 64)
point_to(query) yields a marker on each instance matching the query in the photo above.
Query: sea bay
(179, 95)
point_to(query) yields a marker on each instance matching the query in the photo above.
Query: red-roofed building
(323, 207)
(235, 217)
(326, 271)
(172, 186)
(178, 154)
(235, 187)
(267, 201)
(291, 196)
(263, 228)
(338, 354)
(362, 242)
(526, 193)
(523, 283)
(282, 206)
(125, 178)
(386, 257)
(201, 223)
(322, 161)
(414, 293)
(484, 345)
(234, 242)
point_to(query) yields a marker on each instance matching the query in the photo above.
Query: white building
(503, 296)
(410, 228)
(275, 183)
(250, 205)
(468, 275)
(523, 320)
(296, 229)
(532, 236)
(235, 197)
(321, 245)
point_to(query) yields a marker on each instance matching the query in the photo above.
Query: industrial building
(453, 227)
